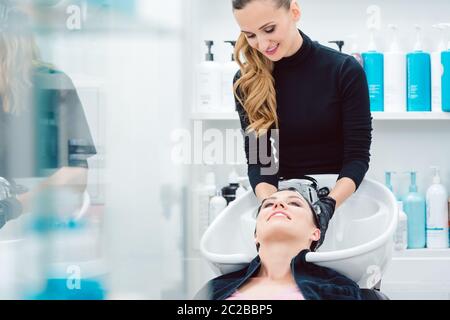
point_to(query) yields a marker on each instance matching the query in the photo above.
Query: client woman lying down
(286, 230)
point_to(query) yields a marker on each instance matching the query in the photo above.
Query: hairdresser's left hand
(324, 208)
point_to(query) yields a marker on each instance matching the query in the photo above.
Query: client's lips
(279, 213)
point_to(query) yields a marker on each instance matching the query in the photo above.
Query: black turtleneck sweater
(325, 124)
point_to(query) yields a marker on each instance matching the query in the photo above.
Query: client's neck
(276, 260)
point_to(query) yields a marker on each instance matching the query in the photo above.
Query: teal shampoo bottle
(373, 62)
(418, 65)
(445, 59)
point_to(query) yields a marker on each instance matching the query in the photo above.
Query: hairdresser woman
(317, 97)
(44, 134)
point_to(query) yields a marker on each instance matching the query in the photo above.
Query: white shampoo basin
(358, 242)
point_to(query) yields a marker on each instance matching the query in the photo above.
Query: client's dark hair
(314, 243)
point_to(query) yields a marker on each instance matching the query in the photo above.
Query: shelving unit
(376, 116)
(418, 274)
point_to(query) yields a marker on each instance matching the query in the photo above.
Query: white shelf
(411, 115)
(422, 254)
(214, 116)
(375, 115)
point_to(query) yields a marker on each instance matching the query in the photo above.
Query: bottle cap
(436, 177)
(418, 46)
(394, 45)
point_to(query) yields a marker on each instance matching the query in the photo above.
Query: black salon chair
(373, 294)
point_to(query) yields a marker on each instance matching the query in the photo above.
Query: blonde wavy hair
(255, 89)
(18, 56)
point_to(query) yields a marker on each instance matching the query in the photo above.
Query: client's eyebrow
(274, 198)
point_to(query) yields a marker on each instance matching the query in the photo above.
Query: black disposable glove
(324, 209)
(10, 208)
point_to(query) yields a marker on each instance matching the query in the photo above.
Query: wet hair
(18, 57)
(255, 88)
(240, 4)
(316, 222)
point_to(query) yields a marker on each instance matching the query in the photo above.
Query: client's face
(286, 216)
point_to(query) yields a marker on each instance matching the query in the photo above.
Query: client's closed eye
(298, 204)
(268, 204)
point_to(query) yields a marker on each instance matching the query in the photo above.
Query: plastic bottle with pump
(216, 205)
(418, 64)
(374, 68)
(415, 208)
(437, 213)
(229, 70)
(436, 70)
(229, 192)
(201, 198)
(209, 83)
(445, 59)
(395, 76)
(401, 234)
(354, 49)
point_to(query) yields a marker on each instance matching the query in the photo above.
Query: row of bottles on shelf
(423, 220)
(214, 91)
(416, 81)
(397, 81)
(209, 200)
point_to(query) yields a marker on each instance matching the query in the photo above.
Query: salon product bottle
(209, 83)
(200, 210)
(374, 68)
(340, 44)
(414, 207)
(437, 213)
(354, 50)
(229, 70)
(445, 59)
(436, 71)
(449, 220)
(216, 205)
(418, 77)
(395, 76)
(401, 233)
(229, 192)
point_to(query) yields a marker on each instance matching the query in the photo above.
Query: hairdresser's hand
(324, 208)
(10, 209)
